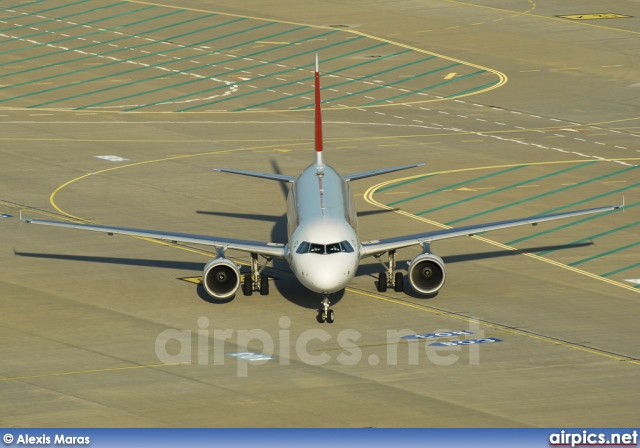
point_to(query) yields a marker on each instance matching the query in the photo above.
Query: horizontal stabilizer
(278, 177)
(362, 175)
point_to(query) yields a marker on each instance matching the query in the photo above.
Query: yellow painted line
(331, 140)
(527, 186)
(423, 31)
(197, 280)
(477, 23)
(146, 162)
(99, 140)
(529, 14)
(79, 372)
(499, 327)
(502, 78)
(450, 75)
(395, 144)
(368, 196)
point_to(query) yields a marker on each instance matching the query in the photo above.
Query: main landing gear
(390, 278)
(325, 314)
(257, 281)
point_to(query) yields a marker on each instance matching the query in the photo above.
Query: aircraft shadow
(287, 285)
(373, 269)
(167, 264)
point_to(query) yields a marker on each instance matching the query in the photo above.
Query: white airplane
(323, 248)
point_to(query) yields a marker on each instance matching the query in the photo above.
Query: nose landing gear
(325, 314)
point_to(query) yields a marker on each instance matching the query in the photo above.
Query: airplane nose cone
(327, 281)
(326, 274)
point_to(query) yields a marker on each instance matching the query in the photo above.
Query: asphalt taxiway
(114, 113)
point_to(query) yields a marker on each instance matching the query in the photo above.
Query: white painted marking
(112, 158)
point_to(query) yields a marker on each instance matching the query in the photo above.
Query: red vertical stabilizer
(318, 121)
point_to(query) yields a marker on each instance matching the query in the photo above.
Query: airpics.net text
(206, 346)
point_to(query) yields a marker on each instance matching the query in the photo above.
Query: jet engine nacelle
(427, 273)
(221, 278)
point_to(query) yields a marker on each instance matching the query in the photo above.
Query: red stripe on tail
(318, 114)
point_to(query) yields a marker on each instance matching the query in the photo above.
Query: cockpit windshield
(333, 248)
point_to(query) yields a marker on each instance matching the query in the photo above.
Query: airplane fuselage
(324, 250)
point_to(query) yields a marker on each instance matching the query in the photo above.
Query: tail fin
(318, 122)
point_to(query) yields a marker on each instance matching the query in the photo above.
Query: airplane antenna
(318, 121)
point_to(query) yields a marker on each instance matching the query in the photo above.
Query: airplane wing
(380, 246)
(270, 176)
(275, 250)
(362, 175)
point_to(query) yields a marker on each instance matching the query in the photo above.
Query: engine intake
(221, 278)
(427, 273)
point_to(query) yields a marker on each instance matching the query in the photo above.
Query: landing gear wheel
(330, 316)
(247, 285)
(264, 285)
(399, 282)
(320, 316)
(382, 282)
